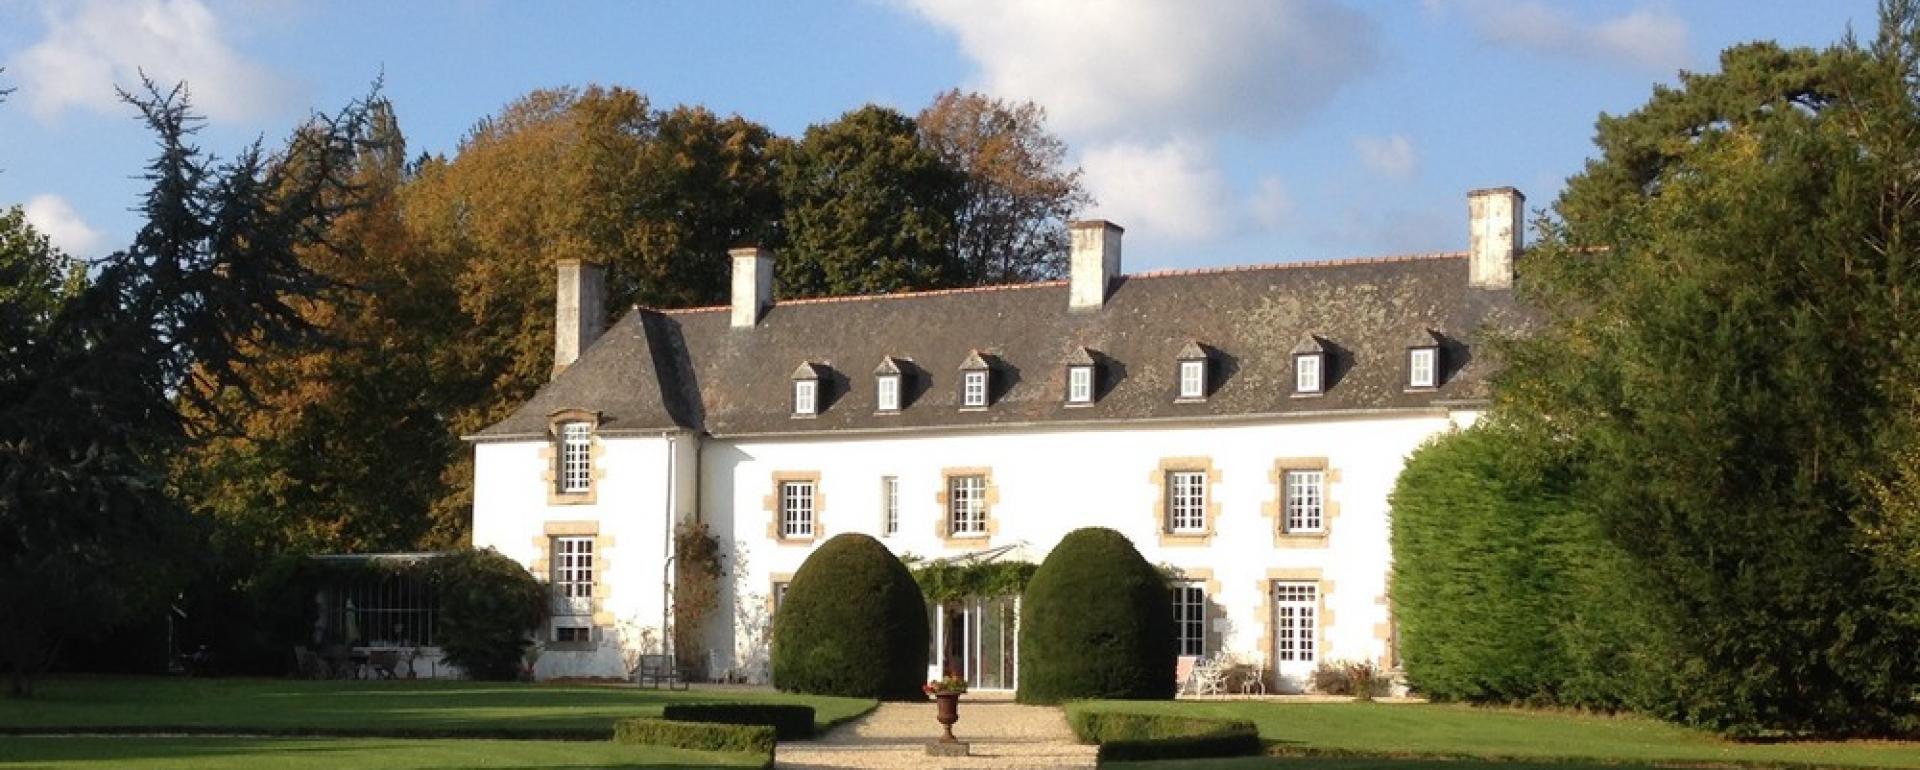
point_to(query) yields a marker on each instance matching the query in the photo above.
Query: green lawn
(262, 705)
(148, 753)
(1410, 737)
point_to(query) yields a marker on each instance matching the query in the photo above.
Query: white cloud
(1648, 38)
(1271, 204)
(1173, 190)
(1146, 68)
(91, 46)
(55, 218)
(1389, 156)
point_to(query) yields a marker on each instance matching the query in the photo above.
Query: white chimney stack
(1093, 262)
(752, 284)
(1495, 236)
(579, 309)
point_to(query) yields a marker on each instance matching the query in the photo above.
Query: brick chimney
(1495, 236)
(579, 309)
(1093, 262)
(752, 284)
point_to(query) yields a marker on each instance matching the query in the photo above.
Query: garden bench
(657, 669)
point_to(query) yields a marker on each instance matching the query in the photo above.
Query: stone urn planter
(946, 698)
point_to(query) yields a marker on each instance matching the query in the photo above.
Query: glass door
(978, 639)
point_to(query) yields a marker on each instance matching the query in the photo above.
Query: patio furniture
(657, 669)
(1209, 676)
(340, 662)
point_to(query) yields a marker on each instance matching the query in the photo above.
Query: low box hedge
(699, 736)
(1123, 736)
(789, 722)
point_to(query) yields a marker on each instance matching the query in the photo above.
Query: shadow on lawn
(297, 754)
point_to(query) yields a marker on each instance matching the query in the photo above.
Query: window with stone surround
(1190, 617)
(576, 457)
(796, 509)
(890, 504)
(573, 567)
(1186, 502)
(967, 506)
(1305, 501)
(1296, 607)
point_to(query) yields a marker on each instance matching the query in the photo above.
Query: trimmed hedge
(698, 736)
(1124, 736)
(789, 722)
(1094, 623)
(853, 624)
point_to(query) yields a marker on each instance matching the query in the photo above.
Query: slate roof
(688, 369)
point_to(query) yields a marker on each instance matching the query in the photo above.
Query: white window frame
(888, 396)
(1423, 367)
(973, 389)
(576, 457)
(796, 508)
(1306, 501)
(967, 506)
(572, 559)
(561, 630)
(1296, 621)
(1307, 372)
(1193, 379)
(1186, 502)
(890, 505)
(1079, 384)
(806, 397)
(780, 593)
(1190, 618)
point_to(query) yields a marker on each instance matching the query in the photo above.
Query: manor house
(1243, 426)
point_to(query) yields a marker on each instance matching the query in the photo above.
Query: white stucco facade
(1045, 481)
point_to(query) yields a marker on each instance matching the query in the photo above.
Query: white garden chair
(1210, 675)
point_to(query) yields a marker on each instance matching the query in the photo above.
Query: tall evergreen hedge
(853, 623)
(1094, 623)
(1504, 588)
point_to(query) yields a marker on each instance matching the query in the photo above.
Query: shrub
(1358, 678)
(789, 722)
(1094, 623)
(1158, 736)
(698, 736)
(853, 623)
(489, 607)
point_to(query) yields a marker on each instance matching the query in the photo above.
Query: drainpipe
(666, 549)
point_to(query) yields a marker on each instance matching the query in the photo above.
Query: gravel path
(1003, 735)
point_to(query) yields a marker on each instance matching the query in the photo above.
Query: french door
(1296, 633)
(976, 639)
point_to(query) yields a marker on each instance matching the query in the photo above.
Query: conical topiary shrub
(853, 623)
(1095, 623)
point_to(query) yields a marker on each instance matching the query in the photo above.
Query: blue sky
(1218, 132)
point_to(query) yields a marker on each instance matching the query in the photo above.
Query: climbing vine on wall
(942, 582)
(696, 586)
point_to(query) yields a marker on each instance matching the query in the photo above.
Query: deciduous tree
(1016, 191)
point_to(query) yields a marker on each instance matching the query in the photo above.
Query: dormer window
(576, 457)
(1193, 372)
(806, 390)
(1423, 360)
(1309, 366)
(975, 382)
(886, 384)
(974, 389)
(1080, 377)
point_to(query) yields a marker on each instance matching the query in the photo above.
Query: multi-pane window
(888, 398)
(805, 394)
(779, 594)
(1306, 500)
(967, 505)
(1190, 618)
(890, 504)
(1079, 384)
(1193, 379)
(573, 567)
(1187, 501)
(973, 389)
(576, 457)
(1422, 367)
(1306, 373)
(1295, 607)
(796, 509)
(574, 634)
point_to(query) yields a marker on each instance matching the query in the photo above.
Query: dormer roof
(1309, 344)
(806, 371)
(889, 366)
(1422, 337)
(1080, 356)
(1192, 351)
(975, 361)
